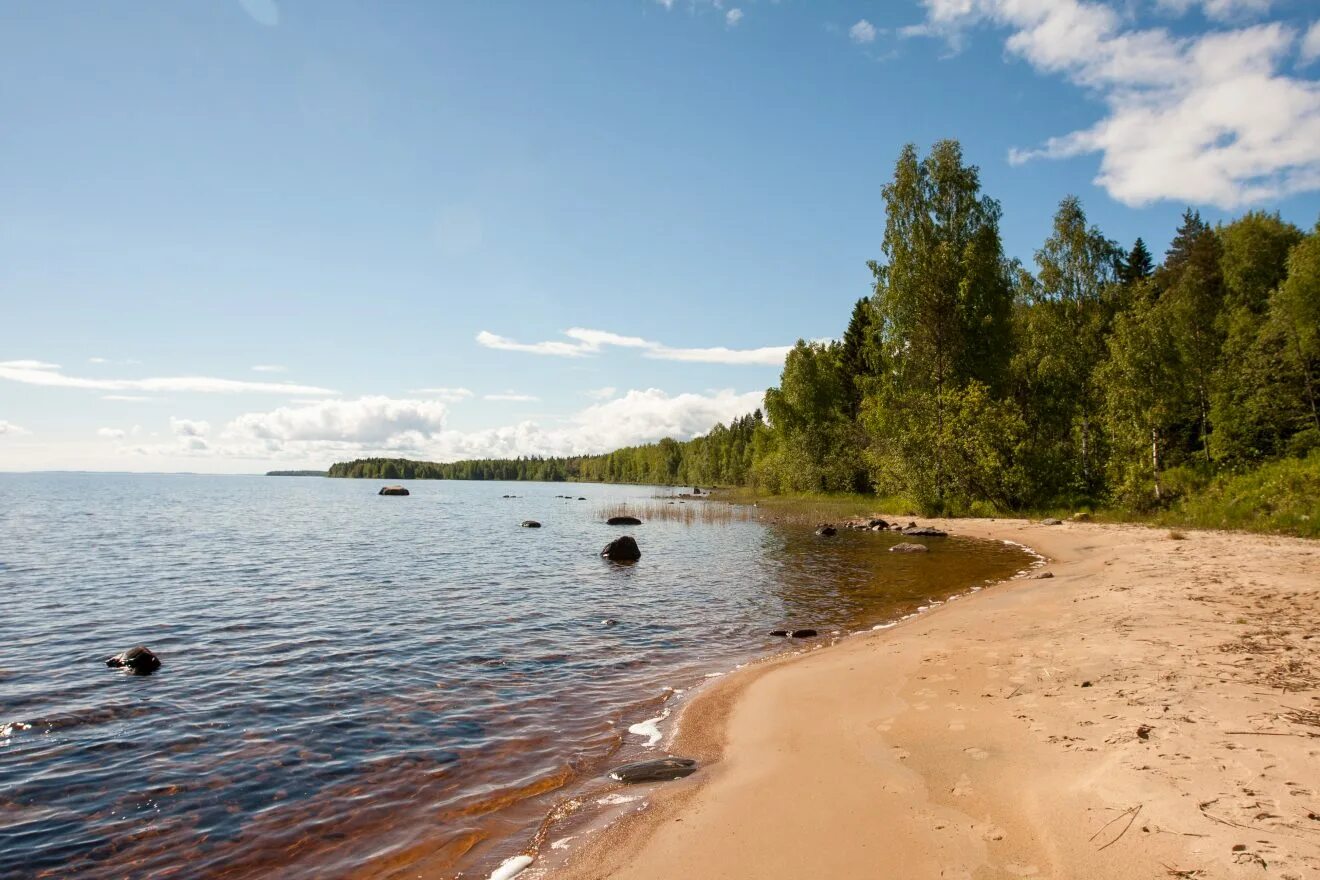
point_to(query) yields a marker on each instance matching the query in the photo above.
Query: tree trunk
(1155, 462)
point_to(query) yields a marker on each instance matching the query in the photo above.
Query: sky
(240, 235)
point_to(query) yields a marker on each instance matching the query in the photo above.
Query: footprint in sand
(957, 725)
(962, 787)
(990, 831)
(976, 754)
(1017, 869)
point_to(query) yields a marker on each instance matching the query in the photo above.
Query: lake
(365, 686)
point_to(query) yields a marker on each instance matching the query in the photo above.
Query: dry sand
(1150, 711)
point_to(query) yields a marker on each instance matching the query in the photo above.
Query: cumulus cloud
(601, 393)
(1219, 10)
(589, 342)
(732, 17)
(374, 419)
(269, 368)
(111, 433)
(318, 432)
(10, 429)
(1208, 118)
(126, 398)
(49, 375)
(863, 32)
(1311, 44)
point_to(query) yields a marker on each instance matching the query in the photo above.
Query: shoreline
(999, 735)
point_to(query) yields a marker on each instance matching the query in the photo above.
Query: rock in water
(659, 770)
(804, 634)
(530, 524)
(925, 532)
(392, 490)
(138, 660)
(905, 547)
(623, 549)
(623, 521)
(782, 633)
(825, 530)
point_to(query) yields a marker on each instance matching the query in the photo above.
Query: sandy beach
(1151, 710)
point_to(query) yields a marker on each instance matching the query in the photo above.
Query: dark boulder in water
(530, 524)
(925, 532)
(623, 549)
(825, 530)
(392, 490)
(138, 660)
(782, 633)
(658, 770)
(804, 634)
(623, 521)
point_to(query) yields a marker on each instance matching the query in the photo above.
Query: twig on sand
(1178, 872)
(1131, 812)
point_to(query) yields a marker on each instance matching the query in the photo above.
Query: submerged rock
(392, 490)
(925, 532)
(658, 770)
(138, 660)
(825, 530)
(905, 547)
(623, 549)
(804, 634)
(623, 521)
(530, 524)
(782, 633)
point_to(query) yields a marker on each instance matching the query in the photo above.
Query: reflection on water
(361, 686)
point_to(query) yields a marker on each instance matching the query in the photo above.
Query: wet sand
(1153, 710)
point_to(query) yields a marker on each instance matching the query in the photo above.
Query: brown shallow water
(358, 686)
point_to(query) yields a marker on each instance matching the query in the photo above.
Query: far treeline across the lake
(969, 383)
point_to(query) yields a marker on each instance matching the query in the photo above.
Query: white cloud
(1219, 10)
(601, 393)
(319, 432)
(111, 433)
(189, 427)
(862, 32)
(1311, 44)
(96, 360)
(126, 398)
(732, 17)
(49, 375)
(373, 419)
(448, 395)
(590, 342)
(512, 397)
(10, 429)
(1202, 119)
(269, 368)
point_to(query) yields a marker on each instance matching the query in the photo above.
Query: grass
(687, 511)
(1281, 498)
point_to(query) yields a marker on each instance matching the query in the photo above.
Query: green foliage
(1186, 392)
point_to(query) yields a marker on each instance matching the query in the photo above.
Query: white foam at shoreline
(562, 843)
(613, 800)
(650, 728)
(511, 868)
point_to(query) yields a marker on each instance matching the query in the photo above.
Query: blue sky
(397, 211)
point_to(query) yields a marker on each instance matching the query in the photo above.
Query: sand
(1150, 711)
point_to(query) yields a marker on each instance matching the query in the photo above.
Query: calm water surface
(358, 686)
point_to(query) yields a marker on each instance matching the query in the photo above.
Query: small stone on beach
(658, 770)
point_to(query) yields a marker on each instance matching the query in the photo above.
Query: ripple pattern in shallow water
(357, 685)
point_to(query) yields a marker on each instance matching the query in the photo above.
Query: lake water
(364, 686)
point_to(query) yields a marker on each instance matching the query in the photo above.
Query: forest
(968, 382)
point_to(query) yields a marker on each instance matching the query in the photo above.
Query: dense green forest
(970, 382)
